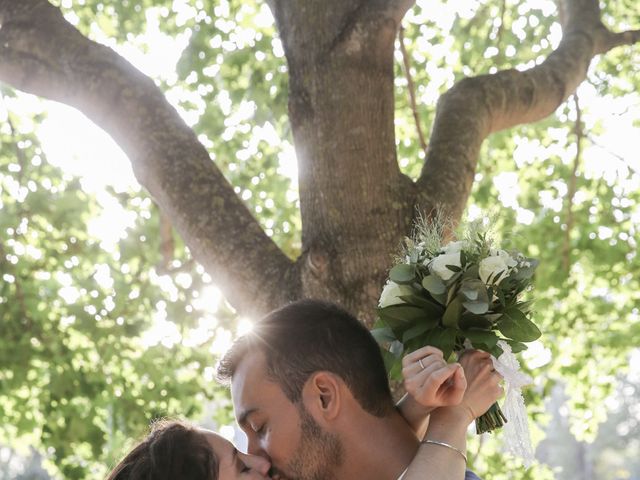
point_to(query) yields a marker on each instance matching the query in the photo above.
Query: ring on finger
(421, 364)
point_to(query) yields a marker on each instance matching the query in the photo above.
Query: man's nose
(254, 448)
(259, 463)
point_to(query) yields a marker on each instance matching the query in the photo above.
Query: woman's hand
(430, 381)
(484, 383)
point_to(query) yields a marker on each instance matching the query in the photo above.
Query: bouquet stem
(490, 420)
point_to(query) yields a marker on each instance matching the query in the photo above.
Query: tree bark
(355, 204)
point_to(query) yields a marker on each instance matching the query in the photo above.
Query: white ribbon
(517, 439)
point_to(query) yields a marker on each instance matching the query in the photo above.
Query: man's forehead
(248, 380)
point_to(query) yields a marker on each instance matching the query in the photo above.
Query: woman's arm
(442, 453)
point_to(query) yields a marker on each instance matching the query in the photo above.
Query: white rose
(510, 261)
(439, 265)
(454, 247)
(490, 267)
(391, 293)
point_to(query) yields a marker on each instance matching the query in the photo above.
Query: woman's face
(236, 465)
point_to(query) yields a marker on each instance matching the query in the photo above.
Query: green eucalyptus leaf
(478, 307)
(440, 298)
(383, 335)
(475, 297)
(403, 274)
(526, 273)
(396, 348)
(433, 285)
(472, 272)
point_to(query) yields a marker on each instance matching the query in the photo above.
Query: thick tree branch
(336, 22)
(42, 54)
(475, 107)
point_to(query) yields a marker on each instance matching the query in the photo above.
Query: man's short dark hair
(308, 336)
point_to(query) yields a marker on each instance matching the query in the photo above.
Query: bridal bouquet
(465, 294)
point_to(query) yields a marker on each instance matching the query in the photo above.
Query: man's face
(297, 447)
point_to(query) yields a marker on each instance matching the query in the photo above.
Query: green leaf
(399, 315)
(476, 307)
(516, 347)
(486, 337)
(475, 297)
(432, 309)
(452, 313)
(396, 349)
(417, 330)
(496, 351)
(403, 274)
(433, 285)
(440, 298)
(526, 273)
(515, 325)
(442, 338)
(395, 369)
(383, 335)
(471, 320)
(472, 272)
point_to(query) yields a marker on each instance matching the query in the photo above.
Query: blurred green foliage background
(98, 338)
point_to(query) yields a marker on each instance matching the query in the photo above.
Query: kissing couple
(310, 391)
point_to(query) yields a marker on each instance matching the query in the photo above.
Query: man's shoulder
(469, 475)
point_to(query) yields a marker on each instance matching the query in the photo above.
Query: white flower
(439, 265)
(391, 293)
(499, 263)
(454, 247)
(504, 256)
(508, 259)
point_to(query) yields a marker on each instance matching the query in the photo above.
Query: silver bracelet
(436, 442)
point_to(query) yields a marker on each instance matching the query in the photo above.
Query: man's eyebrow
(242, 419)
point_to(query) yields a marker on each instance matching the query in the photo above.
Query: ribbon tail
(517, 438)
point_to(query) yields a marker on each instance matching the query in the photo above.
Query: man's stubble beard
(318, 454)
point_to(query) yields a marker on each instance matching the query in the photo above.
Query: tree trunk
(355, 204)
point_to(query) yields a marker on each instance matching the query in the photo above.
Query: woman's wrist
(458, 415)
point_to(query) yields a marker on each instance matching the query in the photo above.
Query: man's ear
(322, 395)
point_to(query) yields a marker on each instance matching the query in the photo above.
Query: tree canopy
(393, 109)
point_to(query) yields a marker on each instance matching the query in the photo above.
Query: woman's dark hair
(172, 450)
